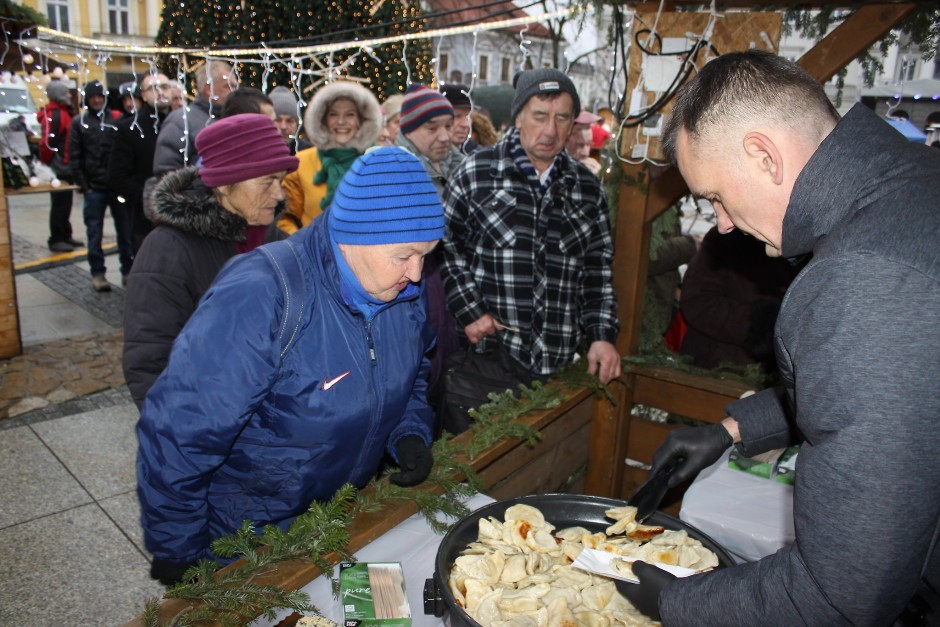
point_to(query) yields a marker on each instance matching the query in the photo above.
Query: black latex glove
(168, 573)
(645, 595)
(414, 459)
(696, 447)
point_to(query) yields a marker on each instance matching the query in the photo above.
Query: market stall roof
(926, 88)
(907, 128)
(12, 58)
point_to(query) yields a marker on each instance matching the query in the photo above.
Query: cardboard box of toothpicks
(373, 593)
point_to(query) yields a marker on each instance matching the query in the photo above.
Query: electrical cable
(688, 64)
(361, 31)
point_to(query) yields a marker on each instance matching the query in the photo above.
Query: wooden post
(650, 193)
(10, 343)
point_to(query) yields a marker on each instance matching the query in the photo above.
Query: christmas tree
(273, 24)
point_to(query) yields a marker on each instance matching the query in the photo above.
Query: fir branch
(230, 595)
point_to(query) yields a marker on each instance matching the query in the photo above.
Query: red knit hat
(242, 147)
(421, 103)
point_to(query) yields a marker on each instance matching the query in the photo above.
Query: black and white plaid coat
(536, 261)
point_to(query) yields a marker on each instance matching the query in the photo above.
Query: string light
(95, 44)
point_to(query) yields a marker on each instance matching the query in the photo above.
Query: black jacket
(90, 142)
(730, 297)
(131, 162)
(193, 238)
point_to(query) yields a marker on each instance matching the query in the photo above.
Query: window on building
(442, 64)
(505, 71)
(58, 11)
(907, 68)
(484, 70)
(119, 17)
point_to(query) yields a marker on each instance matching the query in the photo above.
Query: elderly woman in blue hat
(245, 426)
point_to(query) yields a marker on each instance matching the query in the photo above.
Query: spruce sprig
(320, 535)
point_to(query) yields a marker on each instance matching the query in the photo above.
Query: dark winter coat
(131, 161)
(90, 142)
(193, 238)
(234, 431)
(731, 293)
(173, 139)
(858, 347)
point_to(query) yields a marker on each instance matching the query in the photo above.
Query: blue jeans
(96, 202)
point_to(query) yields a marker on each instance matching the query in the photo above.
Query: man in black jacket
(90, 141)
(131, 162)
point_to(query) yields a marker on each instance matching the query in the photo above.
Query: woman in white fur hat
(343, 120)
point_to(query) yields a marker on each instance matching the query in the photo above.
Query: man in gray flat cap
(528, 247)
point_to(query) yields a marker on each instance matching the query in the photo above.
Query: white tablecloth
(749, 516)
(412, 543)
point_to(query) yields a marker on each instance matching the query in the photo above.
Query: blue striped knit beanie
(422, 103)
(386, 197)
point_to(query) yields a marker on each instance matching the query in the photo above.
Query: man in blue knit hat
(302, 368)
(528, 247)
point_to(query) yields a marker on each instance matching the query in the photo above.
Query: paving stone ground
(66, 376)
(62, 377)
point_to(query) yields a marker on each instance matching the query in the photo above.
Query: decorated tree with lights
(270, 25)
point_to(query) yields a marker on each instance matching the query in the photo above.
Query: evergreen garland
(320, 535)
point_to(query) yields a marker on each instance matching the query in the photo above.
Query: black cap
(457, 95)
(130, 88)
(545, 80)
(93, 88)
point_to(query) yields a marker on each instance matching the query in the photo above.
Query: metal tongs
(648, 496)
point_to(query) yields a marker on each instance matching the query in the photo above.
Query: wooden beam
(852, 37)
(631, 255)
(10, 343)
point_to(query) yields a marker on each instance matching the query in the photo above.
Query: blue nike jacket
(231, 432)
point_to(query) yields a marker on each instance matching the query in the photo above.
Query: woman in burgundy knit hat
(200, 215)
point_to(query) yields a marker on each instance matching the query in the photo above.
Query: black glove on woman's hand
(414, 459)
(645, 595)
(168, 573)
(696, 447)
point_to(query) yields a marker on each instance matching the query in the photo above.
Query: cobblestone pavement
(62, 377)
(65, 376)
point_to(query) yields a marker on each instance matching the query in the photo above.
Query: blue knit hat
(421, 103)
(386, 197)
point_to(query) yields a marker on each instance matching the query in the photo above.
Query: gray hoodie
(858, 345)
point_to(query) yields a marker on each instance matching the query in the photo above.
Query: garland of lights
(53, 36)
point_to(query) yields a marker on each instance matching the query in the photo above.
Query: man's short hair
(740, 87)
(244, 100)
(220, 71)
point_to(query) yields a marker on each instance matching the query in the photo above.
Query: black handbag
(468, 380)
(62, 171)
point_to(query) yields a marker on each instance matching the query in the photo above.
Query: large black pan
(562, 510)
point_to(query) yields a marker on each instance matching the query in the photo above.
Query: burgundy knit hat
(242, 147)
(422, 103)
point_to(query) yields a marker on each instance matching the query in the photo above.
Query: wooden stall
(616, 434)
(10, 342)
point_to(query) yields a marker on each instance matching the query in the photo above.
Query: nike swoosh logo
(328, 384)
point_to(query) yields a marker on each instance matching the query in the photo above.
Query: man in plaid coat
(528, 247)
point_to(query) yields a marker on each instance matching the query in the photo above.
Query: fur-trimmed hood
(370, 114)
(182, 200)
